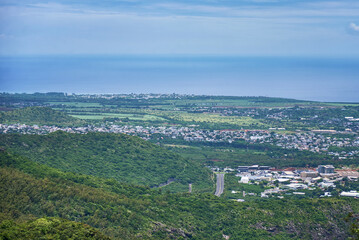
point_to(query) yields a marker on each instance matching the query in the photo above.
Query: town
(324, 181)
(314, 141)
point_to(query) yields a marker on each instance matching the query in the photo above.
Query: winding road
(220, 184)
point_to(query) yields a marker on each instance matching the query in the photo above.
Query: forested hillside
(31, 191)
(37, 115)
(118, 156)
(49, 228)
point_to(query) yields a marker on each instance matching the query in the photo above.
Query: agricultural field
(178, 122)
(244, 122)
(101, 116)
(76, 104)
(237, 102)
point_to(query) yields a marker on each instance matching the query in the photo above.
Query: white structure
(296, 186)
(244, 179)
(326, 184)
(299, 193)
(350, 194)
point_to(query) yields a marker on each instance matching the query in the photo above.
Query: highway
(220, 184)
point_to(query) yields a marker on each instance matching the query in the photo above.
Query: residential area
(341, 146)
(248, 182)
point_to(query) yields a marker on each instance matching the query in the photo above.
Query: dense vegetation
(159, 103)
(242, 153)
(118, 156)
(37, 115)
(48, 228)
(131, 212)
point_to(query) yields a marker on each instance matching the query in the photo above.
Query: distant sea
(322, 79)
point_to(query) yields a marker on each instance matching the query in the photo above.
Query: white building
(350, 194)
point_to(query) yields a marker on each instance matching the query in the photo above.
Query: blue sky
(204, 27)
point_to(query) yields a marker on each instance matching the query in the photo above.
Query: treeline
(244, 153)
(39, 116)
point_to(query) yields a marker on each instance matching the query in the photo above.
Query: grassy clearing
(221, 157)
(216, 118)
(177, 146)
(99, 116)
(77, 104)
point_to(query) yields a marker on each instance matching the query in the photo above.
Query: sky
(182, 27)
(282, 48)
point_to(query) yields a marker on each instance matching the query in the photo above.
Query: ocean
(321, 79)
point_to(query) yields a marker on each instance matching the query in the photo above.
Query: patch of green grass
(77, 104)
(99, 116)
(216, 118)
(86, 117)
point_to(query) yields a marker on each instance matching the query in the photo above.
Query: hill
(37, 115)
(30, 191)
(118, 156)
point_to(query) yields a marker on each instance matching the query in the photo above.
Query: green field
(137, 117)
(206, 101)
(77, 104)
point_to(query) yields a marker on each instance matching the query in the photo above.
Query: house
(326, 184)
(244, 179)
(349, 194)
(295, 186)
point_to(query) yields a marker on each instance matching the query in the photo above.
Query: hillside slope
(49, 228)
(37, 115)
(118, 156)
(141, 213)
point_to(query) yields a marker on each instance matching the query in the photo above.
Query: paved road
(220, 184)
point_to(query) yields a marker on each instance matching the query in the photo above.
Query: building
(350, 194)
(295, 186)
(326, 184)
(244, 179)
(243, 168)
(253, 167)
(308, 174)
(325, 169)
(348, 173)
(264, 168)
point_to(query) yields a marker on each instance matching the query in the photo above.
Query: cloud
(179, 26)
(200, 8)
(354, 27)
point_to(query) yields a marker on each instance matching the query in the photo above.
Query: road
(220, 184)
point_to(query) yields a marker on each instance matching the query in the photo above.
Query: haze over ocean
(166, 46)
(322, 79)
